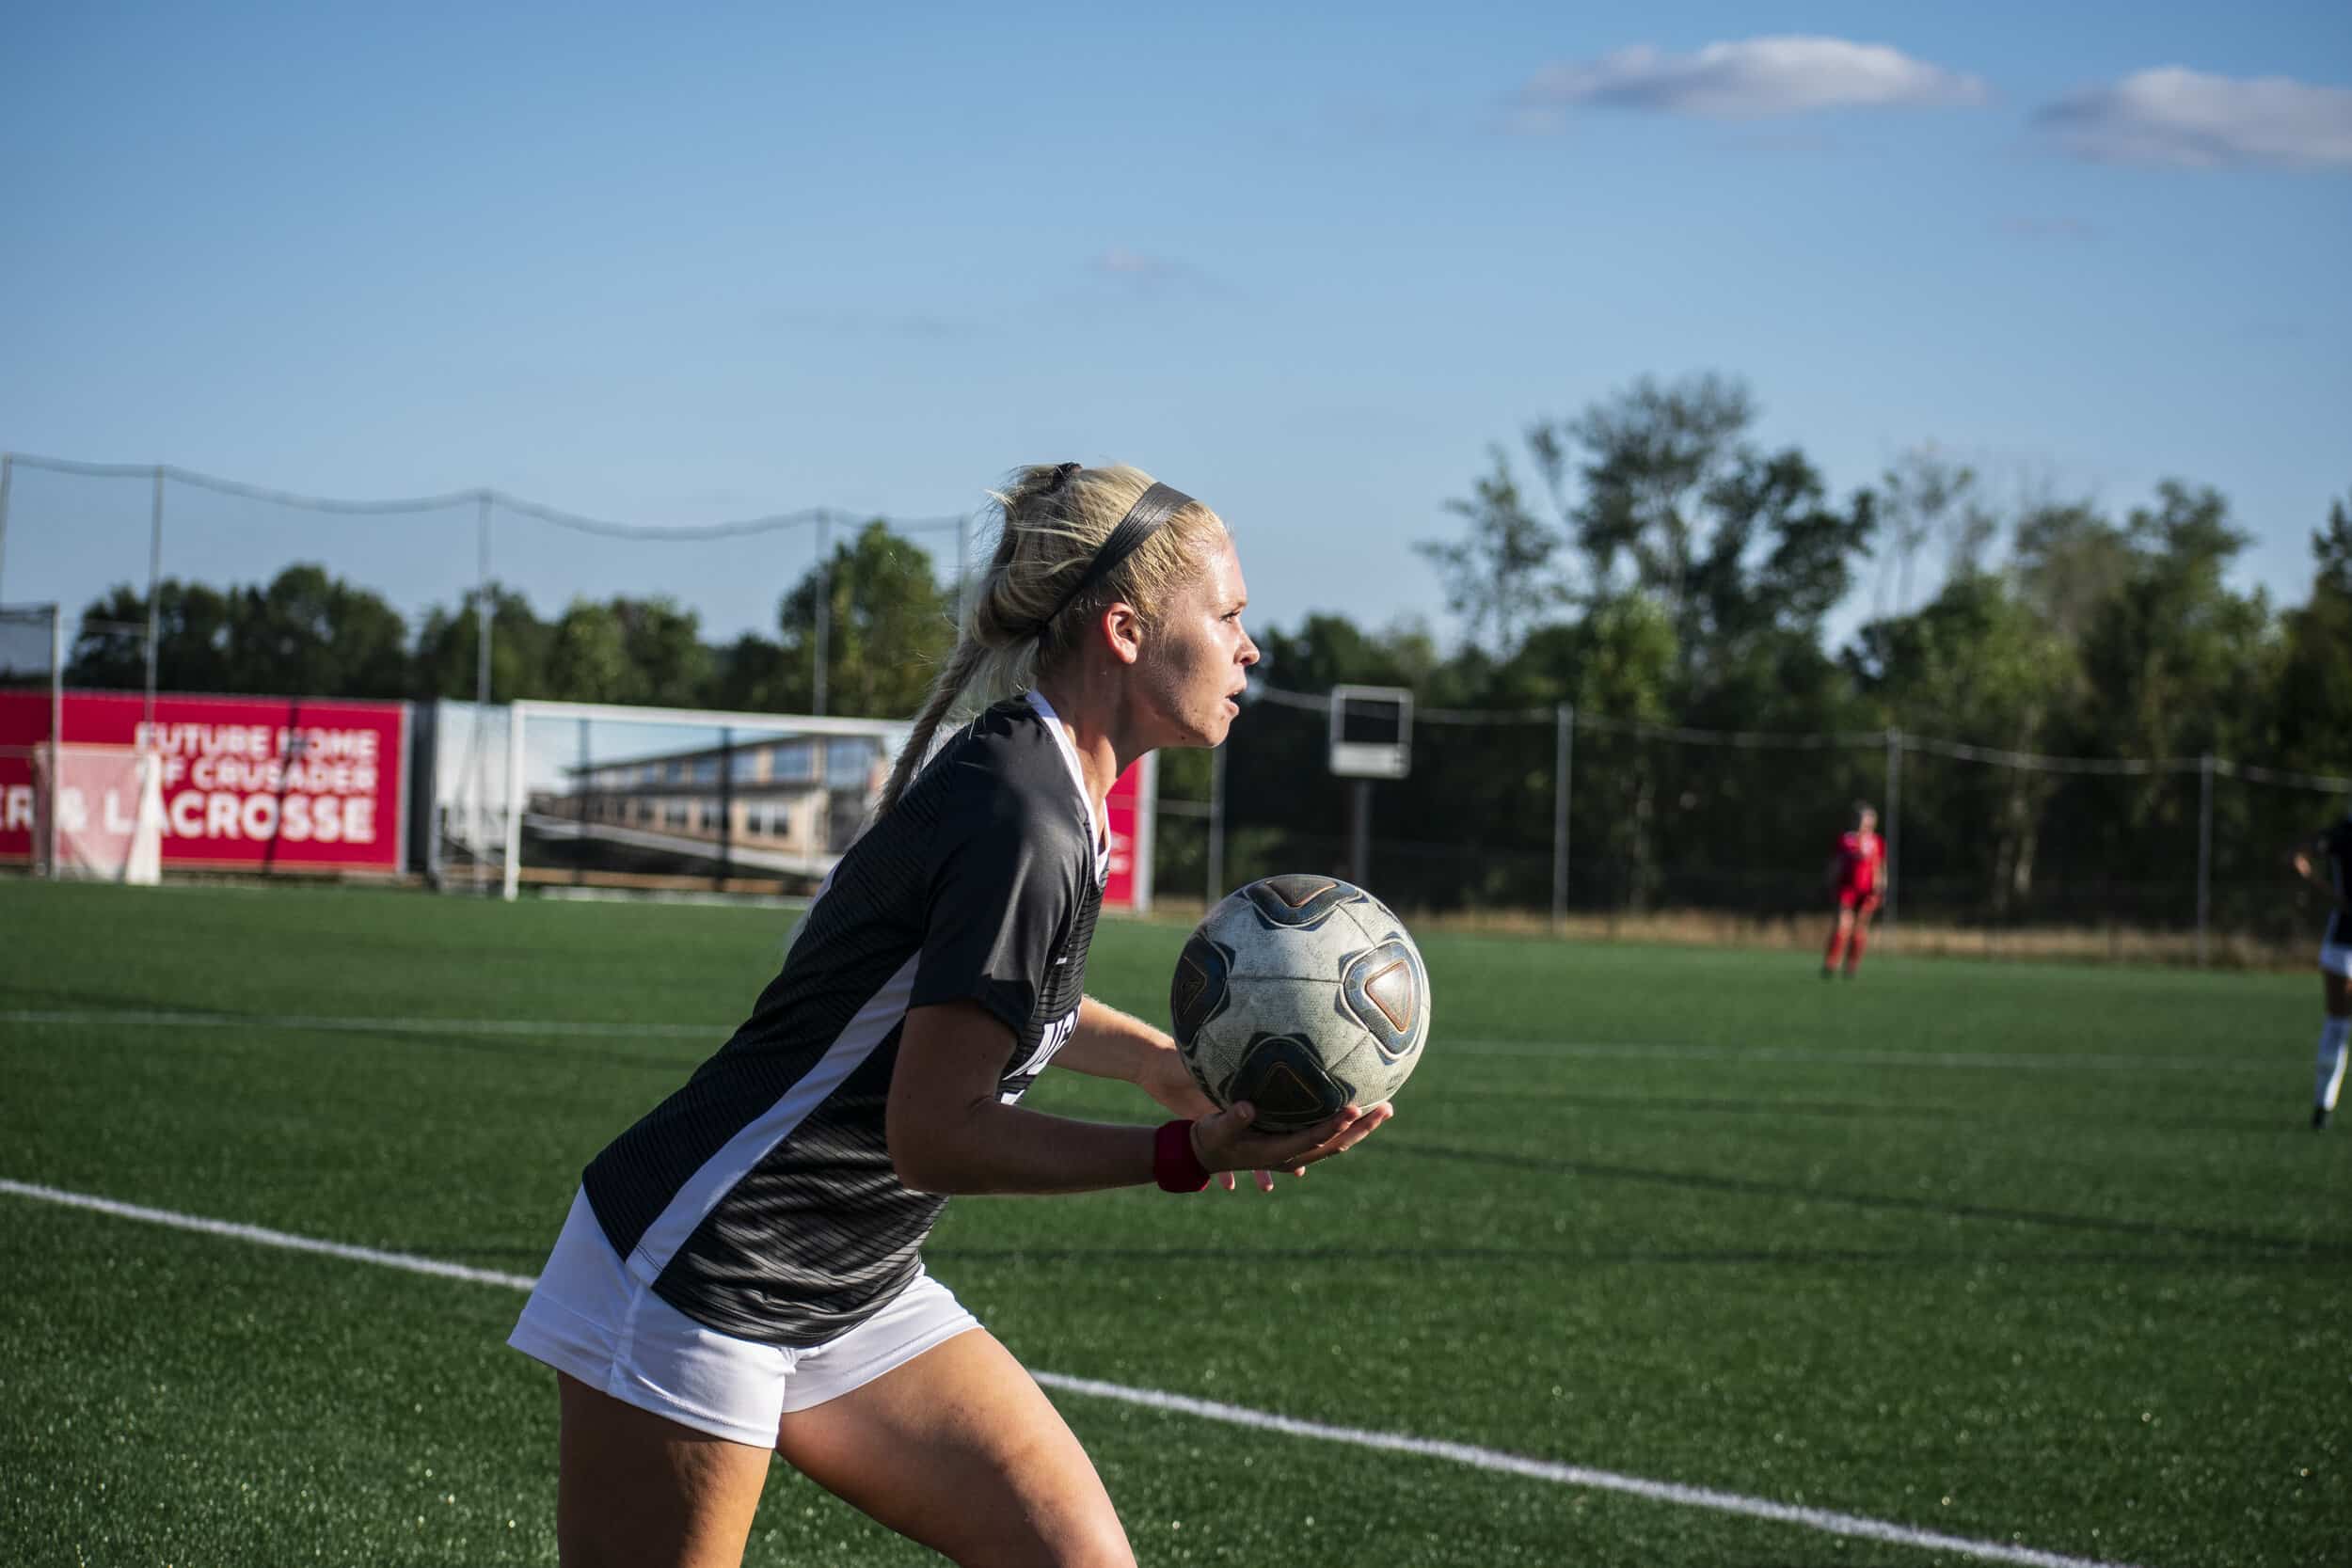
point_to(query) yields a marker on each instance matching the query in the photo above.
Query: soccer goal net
(677, 799)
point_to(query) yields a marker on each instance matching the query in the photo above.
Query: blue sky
(683, 267)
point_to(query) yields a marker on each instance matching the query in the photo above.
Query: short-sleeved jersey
(1859, 857)
(2335, 848)
(760, 1198)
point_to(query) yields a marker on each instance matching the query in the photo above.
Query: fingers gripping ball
(1301, 995)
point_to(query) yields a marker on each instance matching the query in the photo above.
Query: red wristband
(1174, 1166)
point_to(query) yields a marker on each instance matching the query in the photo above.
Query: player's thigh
(960, 1450)
(2336, 989)
(634, 1488)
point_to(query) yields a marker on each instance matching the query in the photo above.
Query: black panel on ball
(1283, 1078)
(1200, 988)
(1386, 991)
(1298, 902)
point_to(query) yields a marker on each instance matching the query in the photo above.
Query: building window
(848, 761)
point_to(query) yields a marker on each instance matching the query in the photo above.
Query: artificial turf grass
(2070, 1299)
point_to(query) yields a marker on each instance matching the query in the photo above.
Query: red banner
(1129, 886)
(250, 784)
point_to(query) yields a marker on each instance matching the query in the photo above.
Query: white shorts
(2335, 958)
(588, 1316)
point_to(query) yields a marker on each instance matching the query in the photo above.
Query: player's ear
(1122, 631)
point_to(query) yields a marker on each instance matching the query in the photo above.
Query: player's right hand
(1225, 1142)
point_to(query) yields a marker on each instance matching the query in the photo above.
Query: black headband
(1153, 508)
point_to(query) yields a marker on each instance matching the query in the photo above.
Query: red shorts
(1862, 898)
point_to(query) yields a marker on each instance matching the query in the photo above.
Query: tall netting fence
(682, 801)
(1557, 817)
(451, 564)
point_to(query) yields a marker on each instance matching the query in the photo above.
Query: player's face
(1193, 661)
(1869, 822)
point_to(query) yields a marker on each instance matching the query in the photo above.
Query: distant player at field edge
(1857, 875)
(2334, 846)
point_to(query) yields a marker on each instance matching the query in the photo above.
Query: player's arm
(1109, 1043)
(948, 1133)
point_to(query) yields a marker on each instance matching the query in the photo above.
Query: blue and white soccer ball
(1301, 995)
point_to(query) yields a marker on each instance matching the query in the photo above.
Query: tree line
(306, 631)
(1649, 560)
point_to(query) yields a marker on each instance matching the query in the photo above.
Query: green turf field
(2038, 1255)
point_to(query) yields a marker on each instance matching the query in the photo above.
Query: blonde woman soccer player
(740, 1273)
(2334, 849)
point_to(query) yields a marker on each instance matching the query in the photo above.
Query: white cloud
(1141, 273)
(1122, 262)
(2189, 119)
(1748, 79)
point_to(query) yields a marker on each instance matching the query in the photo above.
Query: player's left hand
(1167, 1082)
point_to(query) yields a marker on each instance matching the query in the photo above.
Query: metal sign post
(1371, 737)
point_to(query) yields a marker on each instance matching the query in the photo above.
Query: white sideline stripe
(405, 1025)
(1390, 1442)
(262, 1237)
(2031, 1060)
(1576, 1475)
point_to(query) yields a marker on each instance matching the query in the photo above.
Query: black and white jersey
(761, 1200)
(2335, 846)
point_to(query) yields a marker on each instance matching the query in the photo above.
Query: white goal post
(768, 792)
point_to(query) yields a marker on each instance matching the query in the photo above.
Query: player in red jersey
(1857, 877)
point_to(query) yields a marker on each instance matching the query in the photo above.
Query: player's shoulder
(1006, 772)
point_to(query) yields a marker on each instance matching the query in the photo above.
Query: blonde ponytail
(1052, 519)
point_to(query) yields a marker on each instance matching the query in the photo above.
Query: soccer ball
(1301, 995)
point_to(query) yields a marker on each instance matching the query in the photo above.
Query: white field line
(2024, 1060)
(1468, 1454)
(299, 1022)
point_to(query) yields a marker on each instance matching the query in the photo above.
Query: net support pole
(726, 802)
(155, 597)
(583, 800)
(2204, 850)
(825, 611)
(1563, 756)
(7, 466)
(511, 886)
(56, 726)
(1217, 828)
(1894, 830)
(964, 561)
(1359, 836)
(481, 683)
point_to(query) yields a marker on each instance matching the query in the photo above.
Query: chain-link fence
(1558, 816)
(453, 548)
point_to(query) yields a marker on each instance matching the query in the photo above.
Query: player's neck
(1100, 758)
